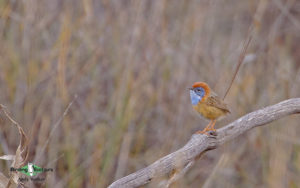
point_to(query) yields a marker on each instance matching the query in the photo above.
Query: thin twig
(2, 107)
(58, 122)
(178, 175)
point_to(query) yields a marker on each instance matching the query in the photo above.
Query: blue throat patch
(196, 95)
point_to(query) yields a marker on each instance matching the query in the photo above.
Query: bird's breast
(209, 112)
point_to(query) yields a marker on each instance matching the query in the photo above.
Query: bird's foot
(212, 129)
(204, 131)
(212, 133)
(208, 131)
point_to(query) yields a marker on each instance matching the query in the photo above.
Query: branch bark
(199, 144)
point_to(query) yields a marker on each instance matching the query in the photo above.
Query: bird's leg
(207, 128)
(212, 126)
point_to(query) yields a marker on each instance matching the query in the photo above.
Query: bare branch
(178, 175)
(199, 143)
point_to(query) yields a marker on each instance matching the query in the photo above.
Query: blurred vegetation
(130, 64)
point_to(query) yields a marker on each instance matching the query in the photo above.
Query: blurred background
(130, 63)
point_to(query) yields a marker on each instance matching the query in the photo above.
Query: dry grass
(129, 63)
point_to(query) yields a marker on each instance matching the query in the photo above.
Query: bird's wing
(217, 102)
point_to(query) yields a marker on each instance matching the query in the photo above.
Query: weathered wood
(198, 144)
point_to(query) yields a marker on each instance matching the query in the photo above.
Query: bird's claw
(208, 132)
(212, 133)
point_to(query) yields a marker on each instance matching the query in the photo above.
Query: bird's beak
(190, 88)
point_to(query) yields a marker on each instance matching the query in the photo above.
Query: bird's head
(199, 92)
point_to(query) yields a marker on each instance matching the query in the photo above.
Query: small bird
(207, 104)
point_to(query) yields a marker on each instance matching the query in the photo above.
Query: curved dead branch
(198, 144)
